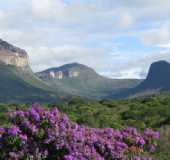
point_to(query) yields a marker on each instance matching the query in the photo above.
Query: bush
(42, 134)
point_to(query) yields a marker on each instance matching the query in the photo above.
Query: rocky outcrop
(58, 75)
(157, 80)
(12, 55)
(72, 70)
(61, 74)
(158, 76)
(80, 80)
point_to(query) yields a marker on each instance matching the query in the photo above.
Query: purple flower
(75, 142)
(152, 134)
(20, 113)
(152, 148)
(34, 114)
(139, 141)
(23, 137)
(14, 130)
(68, 157)
(2, 130)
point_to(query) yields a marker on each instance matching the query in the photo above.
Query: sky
(118, 38)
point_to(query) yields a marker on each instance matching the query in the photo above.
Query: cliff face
(18, 83)
(158, 80)
(72, 70)
(63, 74)
(80, 80)
(158, 76)
(12, 55)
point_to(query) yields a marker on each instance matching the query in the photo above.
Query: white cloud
(52, 57)
(47, 8)
(130, 73)
(158, 36)
(126, 19)
(2, 18)
(54, 32)
(138, 67)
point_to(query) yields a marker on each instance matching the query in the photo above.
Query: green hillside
(88, 83)
(19, 86)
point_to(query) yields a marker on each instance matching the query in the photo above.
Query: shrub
(42, 134)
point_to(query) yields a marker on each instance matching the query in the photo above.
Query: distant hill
(12, 55)
(158, 80)
(18, 84)
(80, 80)
(158, 77)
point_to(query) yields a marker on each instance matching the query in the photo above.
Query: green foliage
(153, 112)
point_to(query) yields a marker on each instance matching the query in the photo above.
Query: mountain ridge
(157, 81)
(18, 82)
(12, 48)
(11, 55)
(73, 79)
(81, 80)
(158, 75)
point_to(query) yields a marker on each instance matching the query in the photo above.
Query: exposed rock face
(81, 80)
(158, 79)
(74, 74)
(58, 75)
(12, 55)
(72, 70)
(63, 74)
(158, 76)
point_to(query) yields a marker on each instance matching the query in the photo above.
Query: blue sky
(119, 39)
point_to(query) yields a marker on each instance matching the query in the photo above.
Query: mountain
(158, 77)
(12, 55)
(18, 84)
(157, 80)
(80, 80)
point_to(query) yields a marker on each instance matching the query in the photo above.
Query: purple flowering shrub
(40, 134)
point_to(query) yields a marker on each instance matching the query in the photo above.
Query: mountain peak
(159, 68)
(158, 76)
(69, 66)
(72, 65)
(7, 46)
(160, 63)
(68, 71)
(12, 55)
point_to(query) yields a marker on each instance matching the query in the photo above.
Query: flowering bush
(40, 134)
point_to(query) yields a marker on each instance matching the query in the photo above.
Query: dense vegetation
(43, 134)
(153, 112)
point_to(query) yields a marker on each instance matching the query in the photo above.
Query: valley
(88, 98)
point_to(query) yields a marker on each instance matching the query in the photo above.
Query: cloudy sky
(118, 38)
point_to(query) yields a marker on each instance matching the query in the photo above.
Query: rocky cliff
(158, 76)
(71, 70)
(12, 55)
(63, 74)
(157, 81)
(81, 80)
